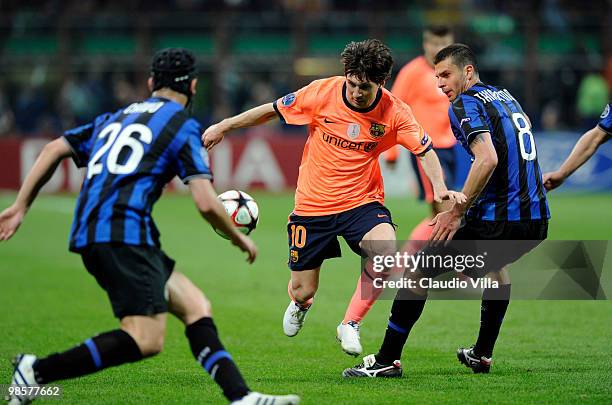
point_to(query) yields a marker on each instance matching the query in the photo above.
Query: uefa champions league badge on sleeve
(605, 112)
(288, 100)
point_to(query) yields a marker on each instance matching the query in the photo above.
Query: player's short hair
(460, 54)
(173, 68)
(368, 60)
(438, 30)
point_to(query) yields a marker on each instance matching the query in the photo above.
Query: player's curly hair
(368, 60)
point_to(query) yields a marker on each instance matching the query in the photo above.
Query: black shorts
(312, 239)
(134, 277)
(448, 162)
(503, 242)
(475, 229)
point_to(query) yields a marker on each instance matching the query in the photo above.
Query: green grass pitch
(548, 351)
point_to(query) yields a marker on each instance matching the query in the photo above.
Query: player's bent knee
(205, 307)
(502, 276)
(383, 248)
(304, 284)
(187, 301)
(150, 344)
(304, 292)
(147, 332)
(199, 308)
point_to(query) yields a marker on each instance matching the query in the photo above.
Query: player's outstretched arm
(255, 116)
(44, 167)
(433, 170)
(584, 149)
(485, 161)
(212, 210)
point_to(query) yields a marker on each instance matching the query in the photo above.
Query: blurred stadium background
(63, 62)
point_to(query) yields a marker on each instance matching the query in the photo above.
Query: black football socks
(406, 310)
(105, 350)
(492, 311)
(209, 352)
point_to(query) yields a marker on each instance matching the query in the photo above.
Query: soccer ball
(242, 209)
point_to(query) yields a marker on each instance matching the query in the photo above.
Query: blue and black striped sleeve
(468, 116)
(81, 139)
(192, 157)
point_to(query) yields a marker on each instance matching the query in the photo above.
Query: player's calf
(210, 353)
(105, 350)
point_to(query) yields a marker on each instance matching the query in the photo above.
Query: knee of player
(206, 306)
(199, 308)
(304, 292)
(379, 248)
(150, 343)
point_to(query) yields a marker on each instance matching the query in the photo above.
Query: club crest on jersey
(353, 131)
(605, 112)
(377, 130)
(294, 256)
(288, 100)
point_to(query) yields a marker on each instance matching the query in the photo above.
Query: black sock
(406, 310)
(492, 311)
(105, 350)
(209, 352)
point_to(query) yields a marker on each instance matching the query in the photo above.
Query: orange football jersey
(416, 86)
(339, 169)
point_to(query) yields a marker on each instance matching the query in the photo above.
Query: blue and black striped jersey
(130, 156)
(605, 120)
(514, 191)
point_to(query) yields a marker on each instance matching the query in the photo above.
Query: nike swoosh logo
(325, 120)
(381, 215)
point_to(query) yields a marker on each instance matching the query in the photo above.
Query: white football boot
(256, 398)
(348, 336)
(293, 319)
(23, 376)
(372, 368)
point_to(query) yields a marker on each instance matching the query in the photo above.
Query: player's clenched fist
(213, 135)
(552, 180)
